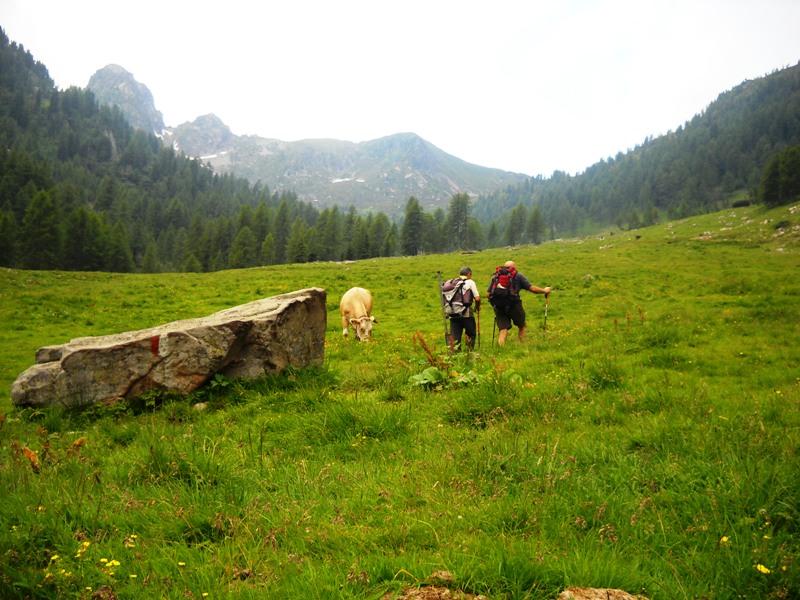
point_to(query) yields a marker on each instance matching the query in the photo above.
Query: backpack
(455, 299)
(501, 289)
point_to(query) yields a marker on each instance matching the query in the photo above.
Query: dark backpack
(502, 290)
(455, 299)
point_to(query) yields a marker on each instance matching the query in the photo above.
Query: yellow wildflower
(762, 568)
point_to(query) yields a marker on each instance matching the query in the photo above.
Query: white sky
(522, 85)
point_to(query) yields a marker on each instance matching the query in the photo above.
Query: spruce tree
(412, 228)
(40, 242)
(458, 220)
(297, 250)
(244, 250)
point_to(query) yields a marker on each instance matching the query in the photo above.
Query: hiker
(462, 313)
(504, 297)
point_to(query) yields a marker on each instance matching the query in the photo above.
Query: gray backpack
(455, 299)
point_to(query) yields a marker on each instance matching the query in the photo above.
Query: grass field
(647, 440)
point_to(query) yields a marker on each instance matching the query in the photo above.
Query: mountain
(113, 85)
(82, 189)
(378, 175)
(716, 158)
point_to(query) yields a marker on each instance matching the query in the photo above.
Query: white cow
(356, 306)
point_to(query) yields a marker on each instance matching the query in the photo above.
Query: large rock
(250, 340)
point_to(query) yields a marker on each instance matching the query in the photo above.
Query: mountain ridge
(375, 175)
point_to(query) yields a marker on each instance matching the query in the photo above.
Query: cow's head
(363, 327)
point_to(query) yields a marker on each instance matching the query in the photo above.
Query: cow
(356, 306)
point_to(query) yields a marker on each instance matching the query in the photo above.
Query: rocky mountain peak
(206, 135)
(113, 85)
(376, 175)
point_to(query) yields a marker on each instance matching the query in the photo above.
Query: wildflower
(724, 540)
(762, 568)
(133, 575)
(54, 557)
(181, 564)
(82, 549)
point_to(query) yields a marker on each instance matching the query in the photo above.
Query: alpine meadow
(644, 439)
(647, 440)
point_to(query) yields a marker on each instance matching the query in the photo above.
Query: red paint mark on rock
(154, 344)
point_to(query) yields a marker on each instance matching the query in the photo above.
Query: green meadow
(648, 439)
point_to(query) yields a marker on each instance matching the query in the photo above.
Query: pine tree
(40, 242)
(83, 241)
(244, 250)
(192, 265)
(475, 236)
(411, 230)
(361, 241)
(118, 254)
(535, 228)
(516, 224)
(493, 236)
(458, 220)
(390, 243)
(150, 263)
(280, 232)
(268, 250)
(297, 250)
(378, 230)
(8, 239)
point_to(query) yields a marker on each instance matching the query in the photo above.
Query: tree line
(718, 154)
(80, 189)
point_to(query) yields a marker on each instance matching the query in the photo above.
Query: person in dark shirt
(509, 310)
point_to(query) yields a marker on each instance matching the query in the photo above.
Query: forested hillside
(695, 169)
(80, 189)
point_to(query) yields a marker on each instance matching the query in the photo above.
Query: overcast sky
(529, 86)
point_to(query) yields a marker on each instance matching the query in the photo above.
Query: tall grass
(647, 440)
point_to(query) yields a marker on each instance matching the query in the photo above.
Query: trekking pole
(479, 328)
(545, 312)
(493, 328)
(444, 316)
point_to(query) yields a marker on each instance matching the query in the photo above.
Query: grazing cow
(356, 306)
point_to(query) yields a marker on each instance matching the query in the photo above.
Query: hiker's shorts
(514, 313)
